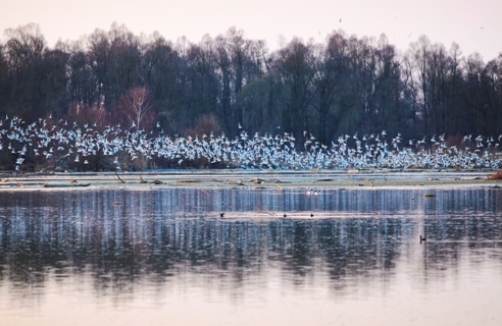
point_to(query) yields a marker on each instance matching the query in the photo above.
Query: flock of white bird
(48, 139)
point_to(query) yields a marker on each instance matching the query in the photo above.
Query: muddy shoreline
(252, 179)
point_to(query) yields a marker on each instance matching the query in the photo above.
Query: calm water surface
(166, 256)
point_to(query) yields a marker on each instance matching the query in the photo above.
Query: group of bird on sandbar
(49, 139)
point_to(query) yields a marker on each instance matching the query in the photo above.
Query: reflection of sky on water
(174, 240)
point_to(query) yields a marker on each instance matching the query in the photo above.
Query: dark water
(166, 256)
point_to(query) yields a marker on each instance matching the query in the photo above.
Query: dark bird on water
(285, 215)
(422, 239)
(222, 214)
(311, 214)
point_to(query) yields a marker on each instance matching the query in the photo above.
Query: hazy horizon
(474, 26)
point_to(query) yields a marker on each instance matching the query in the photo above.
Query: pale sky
(476, 25)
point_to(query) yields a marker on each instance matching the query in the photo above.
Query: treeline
(345, 85)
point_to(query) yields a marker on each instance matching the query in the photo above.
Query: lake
(252, 256)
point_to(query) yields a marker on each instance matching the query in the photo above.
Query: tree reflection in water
(122, 237)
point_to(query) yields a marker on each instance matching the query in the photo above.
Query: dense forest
(343, 86)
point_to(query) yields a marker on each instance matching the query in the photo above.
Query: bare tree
(136, 107)
(297, 64)
(419, 52)
(24, 52)
(348, 84)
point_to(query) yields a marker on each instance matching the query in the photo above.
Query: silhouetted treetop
(342, 86)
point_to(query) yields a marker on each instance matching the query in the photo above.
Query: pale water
(167, 257)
